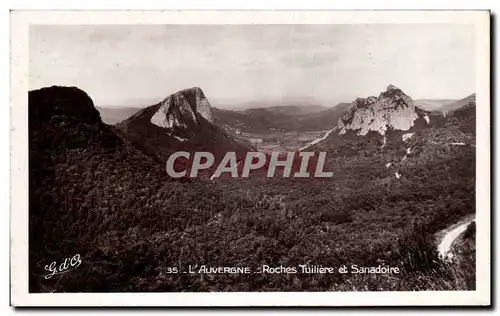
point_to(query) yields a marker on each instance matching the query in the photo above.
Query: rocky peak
(183, 109)
(63, 118)
(58, 103)
(391, 87)
(391, 109)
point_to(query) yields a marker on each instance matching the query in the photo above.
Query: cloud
(268, 63)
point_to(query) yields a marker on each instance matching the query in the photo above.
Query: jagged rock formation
(181, 122)
(407, 136)
(392, 109)
(180, 109)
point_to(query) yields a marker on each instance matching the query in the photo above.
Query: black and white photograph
(329, 153)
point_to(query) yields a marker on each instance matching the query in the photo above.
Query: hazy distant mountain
(280, 118)
(444, 105)
(432, 104)
(113, 115)
(325, 119)
(467, 101)
(287, 109)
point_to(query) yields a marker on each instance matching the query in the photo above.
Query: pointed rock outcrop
(182, 109)
(391, 109)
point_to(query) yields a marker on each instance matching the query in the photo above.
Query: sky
(254, 65)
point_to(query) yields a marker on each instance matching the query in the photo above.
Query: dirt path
(449, 235)
(317, 140)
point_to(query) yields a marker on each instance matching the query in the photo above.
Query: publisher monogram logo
(67, 265)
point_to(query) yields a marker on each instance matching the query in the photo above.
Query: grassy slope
(93, 193)
(364, 215)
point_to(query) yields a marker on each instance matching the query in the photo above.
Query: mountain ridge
(176, 124)
(391, 109)
(280, 118)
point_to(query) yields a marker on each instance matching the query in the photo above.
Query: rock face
(63, 118)
(392, 109)
(58, 101)
(181, 109)
(181, 122)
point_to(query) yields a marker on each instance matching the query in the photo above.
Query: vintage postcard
(250, 158)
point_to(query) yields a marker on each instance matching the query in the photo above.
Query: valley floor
(280, 141)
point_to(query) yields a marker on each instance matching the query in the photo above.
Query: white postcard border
(20, 22)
